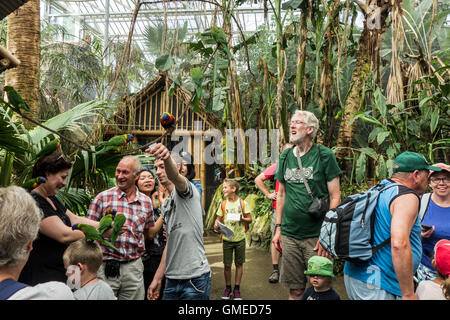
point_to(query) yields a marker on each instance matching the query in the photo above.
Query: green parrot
(32, 183)
(116, 143)
(106, 220)
(91, 234)
(119, 221)
(221, 38)
(50, 147)
(15, 99)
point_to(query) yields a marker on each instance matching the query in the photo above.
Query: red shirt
(269, 173)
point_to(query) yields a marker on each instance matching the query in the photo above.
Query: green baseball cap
(321, 266)
(409, 161)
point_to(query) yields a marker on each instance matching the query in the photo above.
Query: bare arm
(161, 152)
(259, 181)
(334, 190)
(404, 214)
(153, 231)
(54, 228)
(279, 212)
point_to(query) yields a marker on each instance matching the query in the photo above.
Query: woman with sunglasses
(55, 229)
(435, 220)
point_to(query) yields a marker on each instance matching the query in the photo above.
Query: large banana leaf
(70, 120)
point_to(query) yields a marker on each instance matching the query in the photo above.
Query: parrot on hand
(50, 147)
(15, 99)
(32, 183)
(91, 234)
(116, 143)
(119, 221)
(106, 220)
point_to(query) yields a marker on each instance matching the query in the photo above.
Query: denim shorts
(188, 289)
(359, 290)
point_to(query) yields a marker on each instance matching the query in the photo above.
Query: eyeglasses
(437, 180)
(299, 122)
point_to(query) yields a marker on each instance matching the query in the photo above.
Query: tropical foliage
(377, 80)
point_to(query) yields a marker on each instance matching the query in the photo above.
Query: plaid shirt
(131, 243)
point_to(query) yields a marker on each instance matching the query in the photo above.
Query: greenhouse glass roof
(112, 18)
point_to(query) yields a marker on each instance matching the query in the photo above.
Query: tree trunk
(23, 41)
(367, 60)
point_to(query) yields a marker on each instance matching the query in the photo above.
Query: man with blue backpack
(378, 233)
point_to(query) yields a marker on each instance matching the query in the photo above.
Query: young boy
(235, 214)
(82, 260)
(320, 271)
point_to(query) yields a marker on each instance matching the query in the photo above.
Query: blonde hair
(19, 224)
(85, 252)
(232, 183)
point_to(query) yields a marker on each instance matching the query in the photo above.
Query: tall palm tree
(23, 40)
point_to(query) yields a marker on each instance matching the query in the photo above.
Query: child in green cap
(320, 271)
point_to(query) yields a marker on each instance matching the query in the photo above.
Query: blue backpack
(347, 230)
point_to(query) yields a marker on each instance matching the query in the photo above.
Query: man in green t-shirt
(296, 230)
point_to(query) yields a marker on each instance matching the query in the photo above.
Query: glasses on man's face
(297, 122)
(437, 180)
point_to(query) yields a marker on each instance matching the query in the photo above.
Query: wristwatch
(278, 225)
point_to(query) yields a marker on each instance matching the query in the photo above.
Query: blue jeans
(358, 290)
(188, 289)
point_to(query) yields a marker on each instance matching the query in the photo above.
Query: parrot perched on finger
(32, 183)
(91, 234)
(116, 143)
(50, 147)
(106, 220)
(15, 99)
(119, 221)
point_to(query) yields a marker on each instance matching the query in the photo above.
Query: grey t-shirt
(99, 290)
(185, 256)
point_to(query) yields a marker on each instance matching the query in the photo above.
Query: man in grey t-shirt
(184, 262)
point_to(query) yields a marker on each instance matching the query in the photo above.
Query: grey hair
(310, 120)
(19, 224)
(137, 163)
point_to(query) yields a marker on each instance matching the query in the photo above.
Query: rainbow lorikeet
(119, 221)
(116, 143)
(91, 234)
(32, 183)
(15, 99)
(49, 148)
(167, 121)
(106, 221)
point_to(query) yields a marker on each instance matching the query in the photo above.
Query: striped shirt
(139, 212)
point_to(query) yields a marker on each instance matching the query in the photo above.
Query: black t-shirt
(45, 262)
(311, 294)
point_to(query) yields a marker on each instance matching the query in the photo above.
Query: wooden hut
(141, 114)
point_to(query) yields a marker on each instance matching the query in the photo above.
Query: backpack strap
(424, 202)
(224, 203)
(243, 211)
(8, 287)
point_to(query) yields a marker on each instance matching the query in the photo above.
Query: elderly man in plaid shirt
(123, 269)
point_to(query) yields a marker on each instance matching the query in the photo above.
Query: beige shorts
(294, 261)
